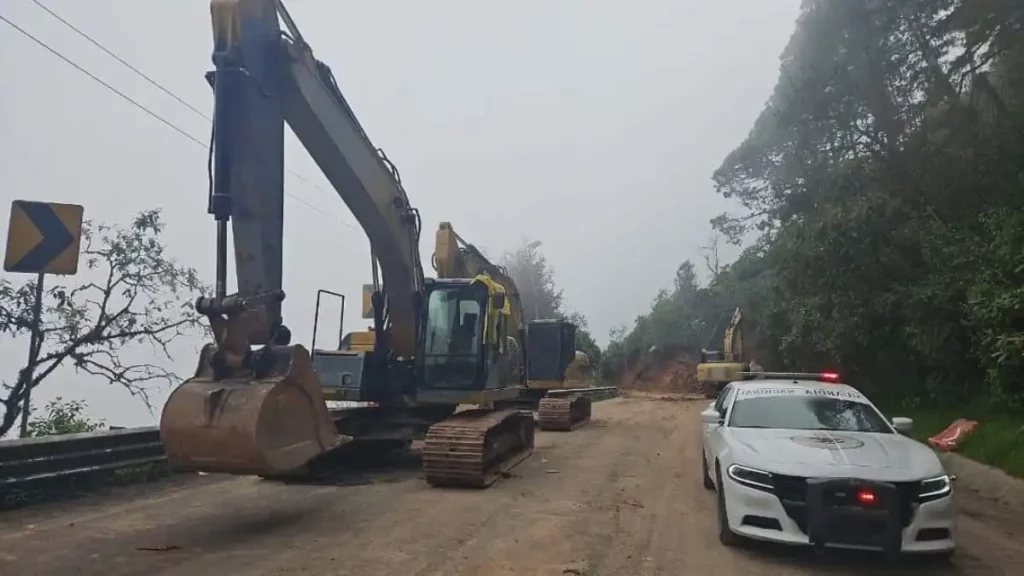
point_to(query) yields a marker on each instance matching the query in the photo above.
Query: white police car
(804, 462)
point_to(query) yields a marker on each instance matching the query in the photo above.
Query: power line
(119, 59)
(146, 110)
(159, 86)
(102, 82)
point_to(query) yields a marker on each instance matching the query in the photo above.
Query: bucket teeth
(272, 426)
(473, 449)
(563, 413)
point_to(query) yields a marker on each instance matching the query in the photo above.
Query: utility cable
(156, 84)
(142, 107)
(127, 98)
(111, 53)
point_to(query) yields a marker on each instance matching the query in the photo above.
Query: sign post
(43, 238)
(33, 354)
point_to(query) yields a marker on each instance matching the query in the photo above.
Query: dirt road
(619, 497)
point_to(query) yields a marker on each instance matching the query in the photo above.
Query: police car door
(712, 430)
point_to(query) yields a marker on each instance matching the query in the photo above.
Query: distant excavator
(719, 366)
(257, 402)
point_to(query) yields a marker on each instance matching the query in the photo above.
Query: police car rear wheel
(725, 534)
(708, 484)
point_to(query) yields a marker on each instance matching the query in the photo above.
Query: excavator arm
(262, 411)
(721, 366)
(266, 76)
(733, 345)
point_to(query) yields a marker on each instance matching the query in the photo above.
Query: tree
(884, 177)
(63, 417)
(134, 295)
(541, 297)
(712, 260)
(584, 340)
(528, 267)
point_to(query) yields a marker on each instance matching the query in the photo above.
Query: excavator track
(473, 449)
(563, 413)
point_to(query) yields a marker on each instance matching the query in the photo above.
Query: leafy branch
(135, 294)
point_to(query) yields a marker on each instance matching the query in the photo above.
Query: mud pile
(666, 370)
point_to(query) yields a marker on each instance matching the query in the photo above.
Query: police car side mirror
(903, 425)
(711, 416)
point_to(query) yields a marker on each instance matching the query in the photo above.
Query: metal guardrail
(599, 391)
(30, 460)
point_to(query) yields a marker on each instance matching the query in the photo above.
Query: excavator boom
(262, 411)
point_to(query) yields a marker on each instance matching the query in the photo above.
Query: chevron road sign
(43, 238)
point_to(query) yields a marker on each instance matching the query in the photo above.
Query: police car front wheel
(725, 534)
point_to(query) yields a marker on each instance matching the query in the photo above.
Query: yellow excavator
(554, 379)
(257, 402)
(549, 345)
(718, 367)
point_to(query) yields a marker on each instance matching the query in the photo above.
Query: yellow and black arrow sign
(43, 238)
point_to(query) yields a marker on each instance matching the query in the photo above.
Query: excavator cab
(462, 329)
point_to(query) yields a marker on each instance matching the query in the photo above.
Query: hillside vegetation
(881, 194)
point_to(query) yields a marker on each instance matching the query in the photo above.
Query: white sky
(591, 125)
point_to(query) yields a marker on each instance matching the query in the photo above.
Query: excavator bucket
(270, 424)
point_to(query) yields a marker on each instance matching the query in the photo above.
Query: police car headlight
(935, 488)
(751, 478)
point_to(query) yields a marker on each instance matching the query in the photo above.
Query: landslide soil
(621, 496)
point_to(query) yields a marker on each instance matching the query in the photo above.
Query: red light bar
(830, 377)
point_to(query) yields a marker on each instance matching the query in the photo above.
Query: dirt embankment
(671, 370)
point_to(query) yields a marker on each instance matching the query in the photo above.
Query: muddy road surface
(621, 496)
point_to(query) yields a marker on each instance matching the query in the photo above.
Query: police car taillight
(829, 376)
(866, 497)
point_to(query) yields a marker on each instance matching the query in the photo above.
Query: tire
(725, 534)
(708, 484)
(941, 558)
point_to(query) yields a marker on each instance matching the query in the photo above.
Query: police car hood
(820, 453)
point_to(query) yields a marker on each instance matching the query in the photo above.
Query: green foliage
(63, 417)
(885, 185)
(692, 316)
(998, 441)
(132, 294)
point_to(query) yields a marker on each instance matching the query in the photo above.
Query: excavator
(256, 404)
(718, 367)
(552, 360)
(553, 381)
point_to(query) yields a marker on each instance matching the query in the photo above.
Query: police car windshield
(806, 410)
